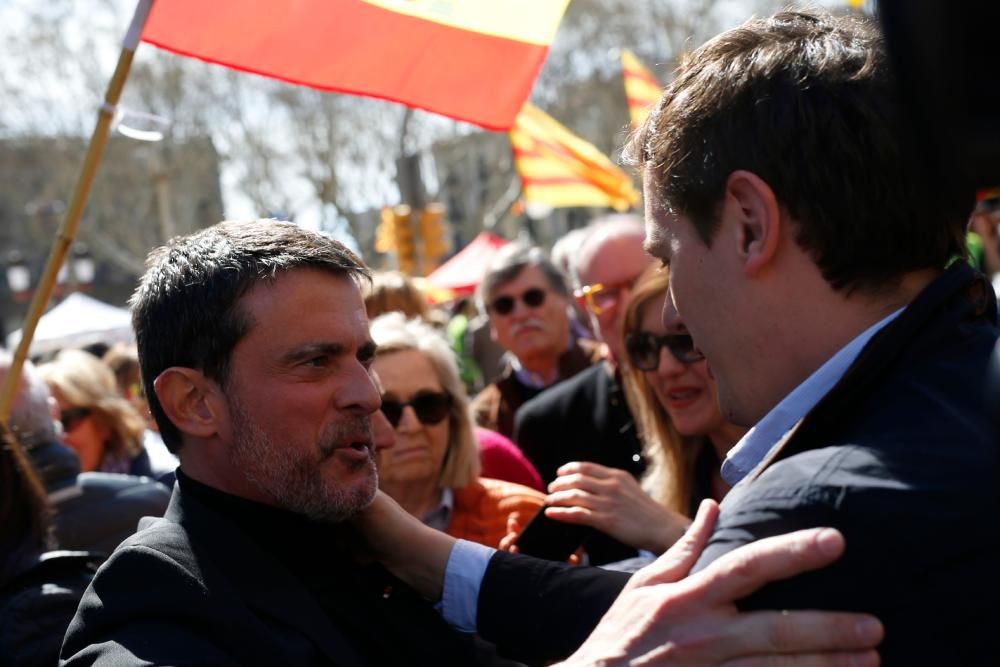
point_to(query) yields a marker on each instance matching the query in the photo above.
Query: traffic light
(433, 236)
(395, 235)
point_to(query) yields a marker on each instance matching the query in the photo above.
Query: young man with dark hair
(814, 265)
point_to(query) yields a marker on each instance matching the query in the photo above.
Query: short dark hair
(508, 264)
(185, 310)
(806, 101)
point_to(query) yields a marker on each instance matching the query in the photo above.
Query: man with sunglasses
(587, 417)
(527, 300)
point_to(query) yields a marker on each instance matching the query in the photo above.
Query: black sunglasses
(504, 305)
(430, 407)
(644, 348)
(71, 418)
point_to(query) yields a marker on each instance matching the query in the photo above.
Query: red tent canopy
(463, 272)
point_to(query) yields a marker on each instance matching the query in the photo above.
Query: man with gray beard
(255, 355)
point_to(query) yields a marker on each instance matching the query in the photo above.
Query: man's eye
(316, 362)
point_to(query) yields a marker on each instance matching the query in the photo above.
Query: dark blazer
(901, 457)
(193, 588)
(584, 418)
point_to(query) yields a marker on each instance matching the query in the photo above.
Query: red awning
(463, 272)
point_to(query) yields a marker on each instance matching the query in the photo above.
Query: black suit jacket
(193, 588)
(584, 418)
(901, 457)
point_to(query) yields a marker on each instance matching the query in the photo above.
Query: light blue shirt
(468, 561)
(759, 440)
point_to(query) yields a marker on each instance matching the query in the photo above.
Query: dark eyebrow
(310, 350)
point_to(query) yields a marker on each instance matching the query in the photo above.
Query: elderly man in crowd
(272, 425)
(528, 303)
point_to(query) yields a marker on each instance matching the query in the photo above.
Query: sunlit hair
(508, 264)
(392, 291)
(84, 381)
(807, 102)
(669, 477)
(393, 333)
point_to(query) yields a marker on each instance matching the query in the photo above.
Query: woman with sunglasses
(432, 470)
(685, 437)
(103, 427)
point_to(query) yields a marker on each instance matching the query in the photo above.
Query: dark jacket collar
(260, 578)
(959, 297)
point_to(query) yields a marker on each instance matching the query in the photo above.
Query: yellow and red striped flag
(642, 90)
(473, 60)
(560, 169)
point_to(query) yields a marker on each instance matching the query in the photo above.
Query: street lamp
(84, 268)
(76, 274)
(18, 275)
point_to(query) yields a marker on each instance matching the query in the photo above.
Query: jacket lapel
(962, 291)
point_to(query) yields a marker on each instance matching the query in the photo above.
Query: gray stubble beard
(297, 484)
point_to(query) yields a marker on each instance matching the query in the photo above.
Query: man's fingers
(681, 557)
(801, 632)
(742, 571)
(860, 659)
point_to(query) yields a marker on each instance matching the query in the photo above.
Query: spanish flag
(642, 90)
(472, 60)
(560, 169)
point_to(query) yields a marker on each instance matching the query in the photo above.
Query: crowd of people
(302, 462)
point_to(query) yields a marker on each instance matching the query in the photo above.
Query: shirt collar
(439, 517)
(757, 442)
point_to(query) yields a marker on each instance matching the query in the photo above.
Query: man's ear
(758, 215)
(191, 401)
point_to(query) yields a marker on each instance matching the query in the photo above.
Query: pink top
(501, 459)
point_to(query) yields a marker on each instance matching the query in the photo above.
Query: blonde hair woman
(98, 422)
(685, 438)
(433, 468)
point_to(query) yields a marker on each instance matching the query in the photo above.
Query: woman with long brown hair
(685, 438)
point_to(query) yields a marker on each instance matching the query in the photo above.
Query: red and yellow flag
(560, 169)
(642, 90)
(473, 60)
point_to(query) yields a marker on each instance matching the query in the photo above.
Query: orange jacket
(483, 507)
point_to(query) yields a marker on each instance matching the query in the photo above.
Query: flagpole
(71, 223)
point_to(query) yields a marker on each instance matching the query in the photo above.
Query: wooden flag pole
(67, 231)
